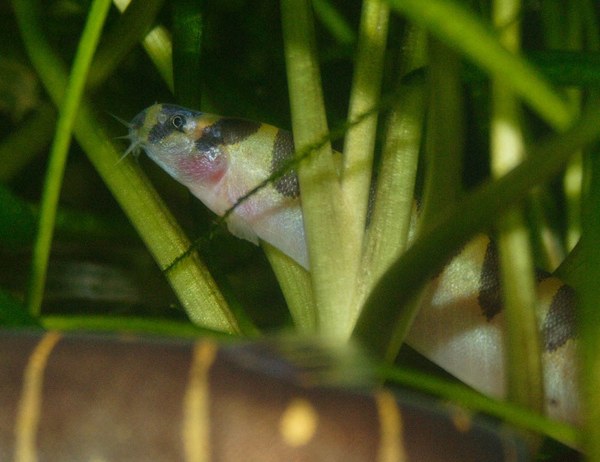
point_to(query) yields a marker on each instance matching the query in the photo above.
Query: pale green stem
(59, 151)
(295, 284)
(444, 145)
(522, 340)
(129, 324)
(387, 235)
(359, 143)
(333, 255)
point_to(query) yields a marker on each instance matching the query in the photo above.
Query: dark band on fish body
(226, 131)
(283, 151)
(160, 131)
(490, 288)
(559, 325)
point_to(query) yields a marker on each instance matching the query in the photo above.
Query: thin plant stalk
(359, 143)
(523, 347)
(59, 151)
(387, 235)
(444, 145)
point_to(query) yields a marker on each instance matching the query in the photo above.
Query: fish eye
(178, 122)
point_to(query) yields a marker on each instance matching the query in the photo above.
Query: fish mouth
(134, 127)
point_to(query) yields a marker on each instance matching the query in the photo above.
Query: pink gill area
(200, 168)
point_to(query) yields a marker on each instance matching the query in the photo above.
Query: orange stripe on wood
(391, 444)
(28, 411)
(196, 411)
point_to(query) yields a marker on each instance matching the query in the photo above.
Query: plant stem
(359, 143)
(60, 149)
(334, 256)
(444, 145)
(523, 346)
(387, 235)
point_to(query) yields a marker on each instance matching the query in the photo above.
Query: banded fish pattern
(107, 398)
(221, 159)
(460, 327)
(460, 322)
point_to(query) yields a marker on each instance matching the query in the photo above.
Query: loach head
(169, 134)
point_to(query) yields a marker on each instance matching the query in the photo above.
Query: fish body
(220, 160)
